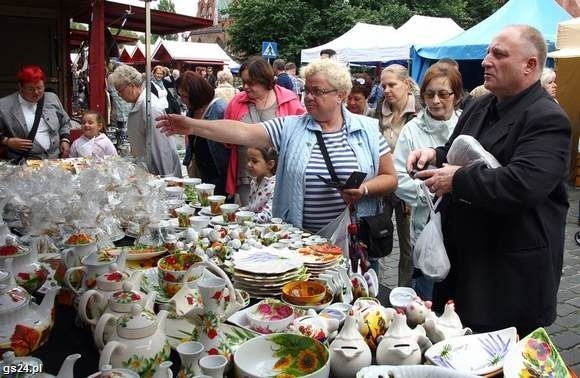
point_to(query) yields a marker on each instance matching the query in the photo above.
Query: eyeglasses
(121, 90)
(317, 92)
(443, 95)
(248, 82)
(33, 89)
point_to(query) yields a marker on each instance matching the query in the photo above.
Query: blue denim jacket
(298, 139)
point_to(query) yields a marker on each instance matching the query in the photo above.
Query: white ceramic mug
(214, 365)
(211, 290)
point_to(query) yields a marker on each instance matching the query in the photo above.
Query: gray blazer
(12, 124)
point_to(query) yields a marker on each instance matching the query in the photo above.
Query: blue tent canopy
(472, 44)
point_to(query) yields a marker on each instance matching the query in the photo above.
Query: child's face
(257, 166)
(91, 128)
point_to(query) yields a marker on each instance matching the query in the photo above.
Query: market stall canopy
(567, 39)
(190, 52)
(364, 43)
(425, 30)
(472, 44)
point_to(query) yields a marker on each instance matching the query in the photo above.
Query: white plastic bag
(466, 150)
(337, 231)
(429, 253)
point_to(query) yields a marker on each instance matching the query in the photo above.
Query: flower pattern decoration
(540, 358)
(125, 297)
(144, 366)
(297, 356)
(33, 280)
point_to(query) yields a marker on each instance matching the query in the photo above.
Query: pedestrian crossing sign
(269, 49)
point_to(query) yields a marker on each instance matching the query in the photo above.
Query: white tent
(364, 43)
(424, 30)
(192, 52)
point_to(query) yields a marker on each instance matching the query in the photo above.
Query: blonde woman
(225, 89)
(548, 80)
(400, 105)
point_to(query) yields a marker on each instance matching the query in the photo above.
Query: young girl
(92, 143)
(262, 167)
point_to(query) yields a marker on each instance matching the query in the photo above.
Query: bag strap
(432, 206)
(326, 157)
(37, 115)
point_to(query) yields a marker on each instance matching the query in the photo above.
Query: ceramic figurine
(24, 325)
(417, 311)
(373, 319)
(401, 345)
(446, 326)
(315, 326)
(349, 352)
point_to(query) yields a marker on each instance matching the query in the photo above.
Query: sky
(186, 7)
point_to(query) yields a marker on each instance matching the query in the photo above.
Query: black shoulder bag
(375, 231)
(23, 155)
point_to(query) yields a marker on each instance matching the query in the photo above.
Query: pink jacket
(288, 104)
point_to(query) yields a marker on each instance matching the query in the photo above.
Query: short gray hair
(225, 76)
(548, 76)
(126, 75)
(536, 40)
(336, 73)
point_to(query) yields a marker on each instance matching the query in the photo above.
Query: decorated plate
(265, 261)
(478, 354)
(150, 283)
(219, 220)
(145, 252)
(535, 356)
(410, 371)
(240, 318)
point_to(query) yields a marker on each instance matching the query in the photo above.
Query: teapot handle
(108, 350)
(67, 276)
(100, 330)
(84, 305)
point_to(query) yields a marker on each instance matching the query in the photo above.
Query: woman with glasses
(17, 118)
(260, 100)
(399, 106)
(153, 150)
(353, 143)
(204, 158)
(441, 94)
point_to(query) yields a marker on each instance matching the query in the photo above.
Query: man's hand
(64, 149)
(439, 181)
(18, 144)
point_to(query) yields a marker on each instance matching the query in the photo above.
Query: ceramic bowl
(304, 292)
(244, 216)
(282, 354)
(270, 316)
(172, 268)
(199, 221)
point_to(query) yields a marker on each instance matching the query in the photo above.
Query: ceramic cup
(189, 188)
(214, 365)
(183, 214)
(244, 216)
(174, 192)
(215, 202)
(211, 291)
(198, 222)
(229, 212)
(189, 353)
(203, 192)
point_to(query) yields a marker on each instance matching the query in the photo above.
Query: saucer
(150, 283)
(206, 211)
(240, 318)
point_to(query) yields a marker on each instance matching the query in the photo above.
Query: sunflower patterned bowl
(282, 355)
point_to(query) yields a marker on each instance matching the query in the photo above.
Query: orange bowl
(304, 292)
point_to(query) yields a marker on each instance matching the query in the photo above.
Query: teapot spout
(46, 306)
(121, 258)
(161, 318)
(67, 368)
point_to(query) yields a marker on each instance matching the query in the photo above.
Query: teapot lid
(112, 280)
(30, 364)
(12, 298)
(137, 324)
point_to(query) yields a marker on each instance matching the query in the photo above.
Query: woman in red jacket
(260, 100)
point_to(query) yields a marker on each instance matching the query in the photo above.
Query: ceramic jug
(189, 354)
(93, 265)
(349, 352)
(25, 269)
(163, 370)
(138, 340)
(115, 286)
(24, 325)
(446, 326)
(10, 364)
(401, 345)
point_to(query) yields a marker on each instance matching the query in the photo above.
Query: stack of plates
(263, 272)
(317, 263)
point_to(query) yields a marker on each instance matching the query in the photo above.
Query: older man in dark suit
(504, 228)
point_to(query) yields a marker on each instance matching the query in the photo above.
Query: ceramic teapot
(20, 318)
(107, 371)
(314, 326)
(402, 345)
(446, 326)
(25, 269)
(114, 292)
(11, 366)
(93, 265)
(349, 352)
(138, 340)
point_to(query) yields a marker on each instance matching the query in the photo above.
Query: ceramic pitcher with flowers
(25, 267)
(93, 265)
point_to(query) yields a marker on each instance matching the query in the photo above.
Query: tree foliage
(166, 6)
(299, 24)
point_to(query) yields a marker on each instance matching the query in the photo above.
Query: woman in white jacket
(441, 92)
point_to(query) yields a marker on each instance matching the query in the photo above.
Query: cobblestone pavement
(565, 332)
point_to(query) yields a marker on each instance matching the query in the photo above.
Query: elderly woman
(353, 142)
(260, 101)
(399, 107)
(153, 150)
(225, 89)
(18, 118)
(441, 93)
(160, 88)
(358, 96)
(548, 80)
(211, 158)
